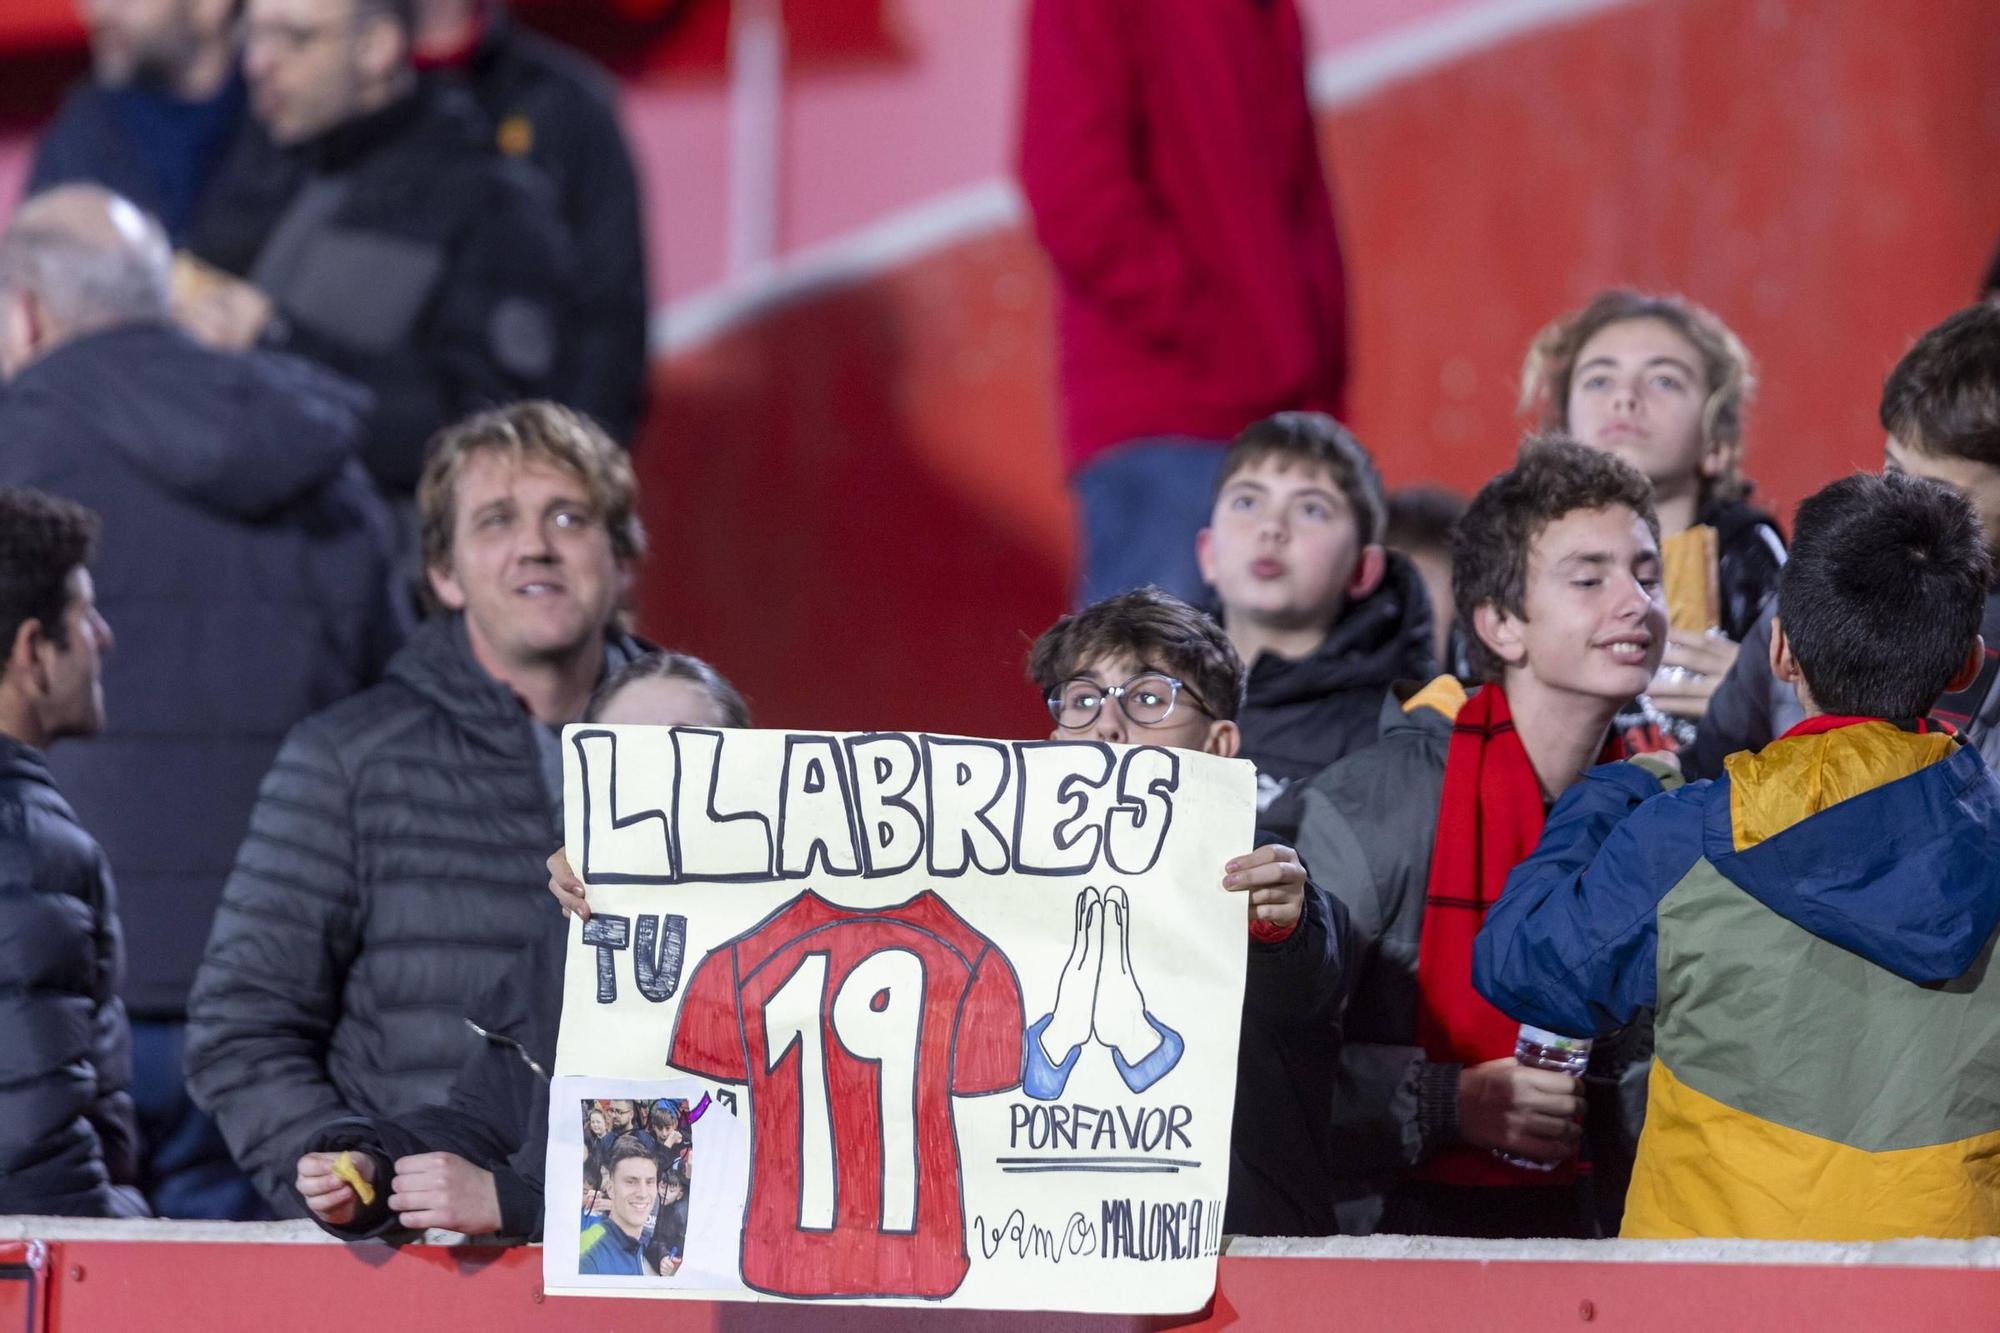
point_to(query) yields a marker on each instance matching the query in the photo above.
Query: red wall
(174, 1286)
(856, 499)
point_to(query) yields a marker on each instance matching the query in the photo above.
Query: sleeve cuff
(1270, 932)
(520, 1206)
(1437, 1106)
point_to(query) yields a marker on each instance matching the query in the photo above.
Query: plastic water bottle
(1539, 1048)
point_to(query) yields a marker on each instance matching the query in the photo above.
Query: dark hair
(1883, 593)
(1423, 518)
(1314, 439)
(627, 1147)
(42, 538)
(1152, 626)
(1943, 397)
(1551, 364)
(1553, 476)
(662, 665)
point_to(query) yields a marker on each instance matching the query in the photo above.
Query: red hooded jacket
(1170, 159)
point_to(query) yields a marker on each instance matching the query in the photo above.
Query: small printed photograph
(637, 1160)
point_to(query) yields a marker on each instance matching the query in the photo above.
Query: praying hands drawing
(1098, 997)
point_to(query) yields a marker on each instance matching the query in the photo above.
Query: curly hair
(1551, 362)
(42, 539)
(1553, 476)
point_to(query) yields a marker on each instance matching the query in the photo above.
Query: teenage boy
(1325, 618)
(1556, 573)
(1941, 411)
(1816, 927)
(1145, 668)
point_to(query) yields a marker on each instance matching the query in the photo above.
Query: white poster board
(901, 1018)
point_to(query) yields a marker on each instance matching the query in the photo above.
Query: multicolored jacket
(1816, 930)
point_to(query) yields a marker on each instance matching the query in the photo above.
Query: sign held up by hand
(897, 1018)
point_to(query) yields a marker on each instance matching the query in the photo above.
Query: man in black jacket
(66, 1135)
(552, 106)
(410, 256)
(247, 556)
(393, 867)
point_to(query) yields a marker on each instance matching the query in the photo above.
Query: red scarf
(1489, 821)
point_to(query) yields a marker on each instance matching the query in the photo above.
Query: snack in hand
(1694, 596)
(344, 1167)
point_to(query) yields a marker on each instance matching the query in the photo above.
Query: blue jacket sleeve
(1570, 945)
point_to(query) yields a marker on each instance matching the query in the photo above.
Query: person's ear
(23, 331)
(1204, 555)
(1224, 740)
(382, 47)
(1968, 671)
(1502, 632)
(25, 670)
(446, 586)
(1369, 571)
(1715, 459)
(1784, 663)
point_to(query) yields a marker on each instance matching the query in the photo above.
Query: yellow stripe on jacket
(1706, 1169)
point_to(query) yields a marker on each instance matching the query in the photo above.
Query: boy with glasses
(1145, 668)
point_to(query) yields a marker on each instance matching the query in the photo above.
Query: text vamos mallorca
(867, 806)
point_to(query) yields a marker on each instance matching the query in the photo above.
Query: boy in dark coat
(1324, 619)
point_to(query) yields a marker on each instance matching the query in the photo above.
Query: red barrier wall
(167, 1287)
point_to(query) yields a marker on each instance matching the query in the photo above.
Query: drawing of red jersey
(854, 1029)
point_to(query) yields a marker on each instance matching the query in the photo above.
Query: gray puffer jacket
(392, 874)
(66, 1135)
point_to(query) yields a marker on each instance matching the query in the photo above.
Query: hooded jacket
(67, 1142)
(1817, 929)
(392, 874)
(1299, 716)
(244, 567)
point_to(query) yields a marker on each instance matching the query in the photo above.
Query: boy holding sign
(1145, 668)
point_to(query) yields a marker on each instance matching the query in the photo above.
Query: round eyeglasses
(1147, 700)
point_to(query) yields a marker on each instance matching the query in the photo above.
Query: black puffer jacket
(497, 1116)
(393, 872)
(67, 1143)
(245, 567)
(1298, 717)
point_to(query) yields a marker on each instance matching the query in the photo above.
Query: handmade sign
(896, 1018)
